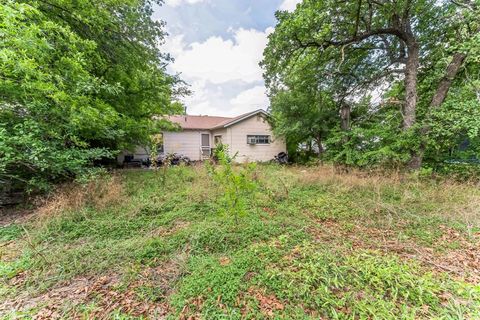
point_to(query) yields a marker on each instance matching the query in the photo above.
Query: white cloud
(218, 60)
(250, 99)
(219, 69)
(176, 3)
(289, 5)
(174, 45)
(210, 99)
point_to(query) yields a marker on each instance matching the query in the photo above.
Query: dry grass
(451, 198)
(331, 174)
(99, 193)
(167, 251)
(203, 185)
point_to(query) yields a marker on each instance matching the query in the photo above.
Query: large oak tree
(365, 44)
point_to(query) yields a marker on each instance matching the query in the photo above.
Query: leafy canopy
(79, 80)
(377, 79)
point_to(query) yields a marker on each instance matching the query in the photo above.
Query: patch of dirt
(462, 263)
(191, 310)
(268, 303)
(224, 261)
(167, 231)
(9, 216)
(107, 294)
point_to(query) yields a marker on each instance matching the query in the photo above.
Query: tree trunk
(410, 110)
(446, 82)
(438, 98)
(411, 70)
(345, 117)
(318, 140)
(345, 121)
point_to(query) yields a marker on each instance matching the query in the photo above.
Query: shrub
(237, 185)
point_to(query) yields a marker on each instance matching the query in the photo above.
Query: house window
(217, 140)
(258, 139)
(205, 140)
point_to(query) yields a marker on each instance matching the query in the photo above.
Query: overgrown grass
(311, 243)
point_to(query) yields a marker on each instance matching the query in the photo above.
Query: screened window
(258, 139)
(205, 140)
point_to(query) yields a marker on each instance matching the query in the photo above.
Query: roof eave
(248, 115)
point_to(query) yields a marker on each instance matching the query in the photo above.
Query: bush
(236, 185)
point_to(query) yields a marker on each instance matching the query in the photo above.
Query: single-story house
(249, 136)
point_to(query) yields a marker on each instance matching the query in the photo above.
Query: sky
(217, 46)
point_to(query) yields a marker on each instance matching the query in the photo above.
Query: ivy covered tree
(407, 55)
(79, 80)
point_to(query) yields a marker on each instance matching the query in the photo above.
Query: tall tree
(382, 42)
(303, 107)
(79, 80)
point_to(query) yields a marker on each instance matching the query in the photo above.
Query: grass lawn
(311, 243)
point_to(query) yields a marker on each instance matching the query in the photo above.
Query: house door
(205, 148)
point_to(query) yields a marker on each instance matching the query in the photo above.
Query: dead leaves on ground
(268, 303)
(462, 262)
(105, 294)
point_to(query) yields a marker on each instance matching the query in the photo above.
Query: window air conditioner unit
(251, 140)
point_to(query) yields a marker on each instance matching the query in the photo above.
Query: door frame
(202, 147)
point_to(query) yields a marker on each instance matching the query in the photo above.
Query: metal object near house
(281, 158)
(173, 159)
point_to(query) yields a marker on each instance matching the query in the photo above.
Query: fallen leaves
(463, 262)
(224, 261)
(192, 309)
(268, 304)
(106, 293)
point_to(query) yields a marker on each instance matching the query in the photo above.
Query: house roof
(209, 122)
(197, 122)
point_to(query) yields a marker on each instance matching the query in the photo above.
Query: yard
(311, 243)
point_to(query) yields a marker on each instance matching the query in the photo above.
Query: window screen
(205, 140)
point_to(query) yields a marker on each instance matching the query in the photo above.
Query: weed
(10, 232)
(312, 242)
(236, 185)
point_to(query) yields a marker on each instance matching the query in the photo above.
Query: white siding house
(249, 136)
(254, 127)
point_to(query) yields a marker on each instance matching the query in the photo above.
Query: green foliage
(10, 232)
(236, 185)
(312, 250)
(327, 59)
(306, 114)
(74, 87)
(9, 270)
(222, 150)
(373, 140)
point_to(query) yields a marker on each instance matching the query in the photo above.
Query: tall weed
(237, 184)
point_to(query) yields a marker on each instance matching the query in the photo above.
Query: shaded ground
(9, 215)
(311, 244)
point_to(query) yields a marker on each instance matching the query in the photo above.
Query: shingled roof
(197, 122)
(208, 122)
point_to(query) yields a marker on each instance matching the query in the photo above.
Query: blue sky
(217, 45)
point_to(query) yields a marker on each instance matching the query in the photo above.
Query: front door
(205, 148)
